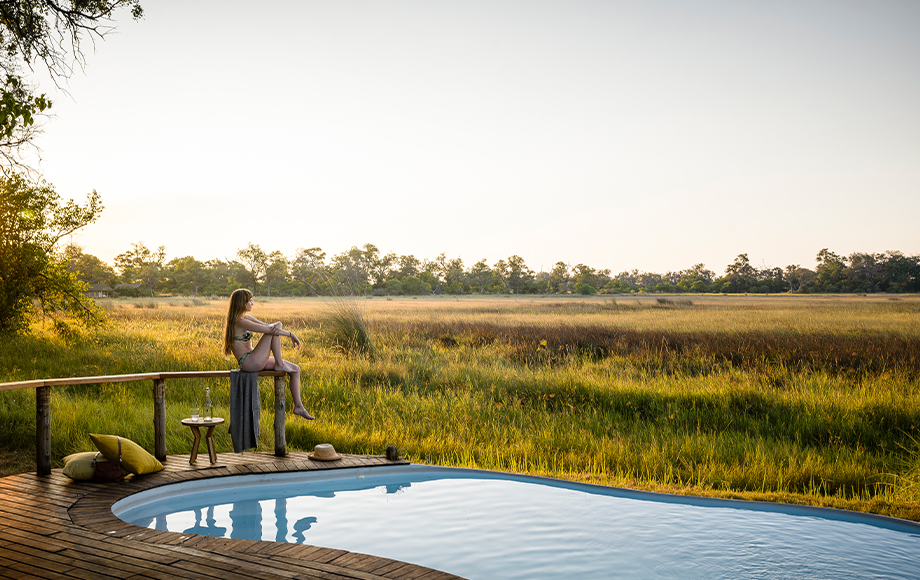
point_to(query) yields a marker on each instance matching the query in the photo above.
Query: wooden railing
(43, 407)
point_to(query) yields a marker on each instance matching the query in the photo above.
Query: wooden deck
(55, 528)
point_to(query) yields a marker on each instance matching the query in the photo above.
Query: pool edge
(93, 511)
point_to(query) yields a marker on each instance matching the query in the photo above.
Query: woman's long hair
(237, 308)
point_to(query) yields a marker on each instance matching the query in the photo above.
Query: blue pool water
(486, 525)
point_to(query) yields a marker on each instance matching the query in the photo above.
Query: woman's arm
(249, 322)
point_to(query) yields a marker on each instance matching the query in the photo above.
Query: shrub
(394, 287)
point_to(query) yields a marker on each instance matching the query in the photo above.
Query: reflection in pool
(487, 525)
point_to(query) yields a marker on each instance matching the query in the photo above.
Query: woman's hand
(295, 340)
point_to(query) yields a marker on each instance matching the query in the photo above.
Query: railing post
(280, 443)
(43, 430)
(159, 419)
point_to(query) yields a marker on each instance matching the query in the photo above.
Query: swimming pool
(487, 525)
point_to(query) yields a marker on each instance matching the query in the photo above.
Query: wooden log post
(280, 442)
(43, 430)
(159, 419)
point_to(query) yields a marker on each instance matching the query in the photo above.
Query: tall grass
(811, 400)
(346, 328)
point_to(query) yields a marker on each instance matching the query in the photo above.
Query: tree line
(37, 276)
(367, 271)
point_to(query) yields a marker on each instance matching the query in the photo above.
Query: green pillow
(79, 466)
(133, 456)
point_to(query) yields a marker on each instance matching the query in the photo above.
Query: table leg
(212, 453)
(197, 433)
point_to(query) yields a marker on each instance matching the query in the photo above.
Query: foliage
(364, 271)
(32, 221)
(140, 265)
(49, 32)
(18, 110)
(86, 267)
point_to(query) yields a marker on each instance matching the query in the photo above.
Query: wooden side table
(195, 424)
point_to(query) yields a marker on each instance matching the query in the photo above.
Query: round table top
(202, 423)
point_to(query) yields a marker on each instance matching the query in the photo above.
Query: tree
(696, 279)
(32, 222)
(86, 267)
(220, 277)
(47, 32)
(648, 279)
(256, 263)
(480, 275)
(517, 273)
(309, 269)
(797, 276)
(358, 268)
(559, 278)
(186, 274)
(739, 275)
(582, 274)
(408, 266)
(450, 271)
(830, 272)
(901, 273)
(276, 272)
(142, 265)
(866, 271)
(411, 285)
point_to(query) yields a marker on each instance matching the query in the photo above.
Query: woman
(238, 341)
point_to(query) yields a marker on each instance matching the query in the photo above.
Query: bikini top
(246, 336)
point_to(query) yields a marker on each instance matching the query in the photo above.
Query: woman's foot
(302, 411)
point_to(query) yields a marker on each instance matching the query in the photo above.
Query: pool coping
(93, 512)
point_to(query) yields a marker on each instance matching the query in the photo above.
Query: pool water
(486, 525)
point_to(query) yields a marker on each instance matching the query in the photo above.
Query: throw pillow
(133, 457)
(79, 466)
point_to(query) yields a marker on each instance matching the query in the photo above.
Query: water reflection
(210, 527)
(301, 526)
(246, 520)
(520, 529)
(281, 519)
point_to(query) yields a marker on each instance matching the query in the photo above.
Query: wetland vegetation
(806, 399)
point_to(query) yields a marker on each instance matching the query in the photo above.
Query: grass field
(806, 399)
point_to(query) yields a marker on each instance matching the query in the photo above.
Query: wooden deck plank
(53, 528)
(41, 566)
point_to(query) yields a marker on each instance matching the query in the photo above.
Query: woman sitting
(238, 332)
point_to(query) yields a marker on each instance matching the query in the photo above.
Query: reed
(809, 400)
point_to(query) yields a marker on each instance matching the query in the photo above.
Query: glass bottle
(207, 404)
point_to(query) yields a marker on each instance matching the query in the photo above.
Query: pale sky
(649, 135)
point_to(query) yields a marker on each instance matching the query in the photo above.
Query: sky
(617, 134)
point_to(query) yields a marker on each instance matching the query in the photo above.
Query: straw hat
(324, 452)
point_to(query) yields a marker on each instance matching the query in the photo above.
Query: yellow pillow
(133, 456)
(79, 466)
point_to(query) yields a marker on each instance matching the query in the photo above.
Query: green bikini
(245, 337)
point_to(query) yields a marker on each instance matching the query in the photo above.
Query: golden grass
(782, 398)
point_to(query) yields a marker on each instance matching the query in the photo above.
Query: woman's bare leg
(293, 372)
(260, 360)
(294, 383)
